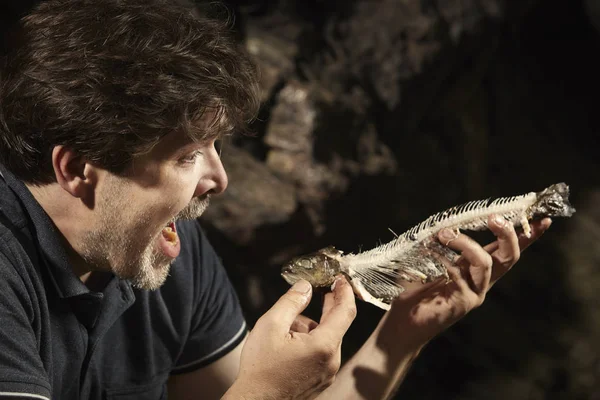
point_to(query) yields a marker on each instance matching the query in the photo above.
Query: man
(109, 113)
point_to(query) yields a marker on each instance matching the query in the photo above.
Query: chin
(151, 280)
(150, 271)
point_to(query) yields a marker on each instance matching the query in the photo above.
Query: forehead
(198, 134)
(173, 143)
(178, 143)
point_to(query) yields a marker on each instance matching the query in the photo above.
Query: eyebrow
(187, 148)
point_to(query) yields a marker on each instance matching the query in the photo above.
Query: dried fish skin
(319, 268)
(552, 202)
(381, 274)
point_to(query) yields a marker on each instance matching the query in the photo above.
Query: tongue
(169, 241)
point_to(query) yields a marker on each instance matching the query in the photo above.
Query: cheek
(153, 207)
(179, 195)
(174, 191)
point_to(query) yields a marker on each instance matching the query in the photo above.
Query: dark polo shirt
(59, 340)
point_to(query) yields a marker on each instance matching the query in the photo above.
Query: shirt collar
(50, 246)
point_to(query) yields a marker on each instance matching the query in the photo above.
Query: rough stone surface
(379, 113)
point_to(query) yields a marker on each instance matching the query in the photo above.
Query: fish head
(318, 268)
(553, 202)
(299, 268)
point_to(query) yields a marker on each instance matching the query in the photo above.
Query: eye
(191, 158)
(555, 202)
(305, 263)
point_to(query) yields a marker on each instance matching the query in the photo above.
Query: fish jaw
(553, 202)
(292, 277)
(319, 268)
(317, 277)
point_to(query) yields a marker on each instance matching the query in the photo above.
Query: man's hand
(421, 315)
(289, 356)
(379, 367)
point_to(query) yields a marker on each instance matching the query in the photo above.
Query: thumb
(283, 313)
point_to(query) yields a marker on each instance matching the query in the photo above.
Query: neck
(69, 216)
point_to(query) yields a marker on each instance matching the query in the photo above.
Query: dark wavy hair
(110, 78)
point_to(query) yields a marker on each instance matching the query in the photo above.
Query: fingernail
(302, 286)
(337, 281)
(447, 234)
(499, 220)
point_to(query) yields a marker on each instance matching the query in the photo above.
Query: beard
(195, 208)
(118, 247)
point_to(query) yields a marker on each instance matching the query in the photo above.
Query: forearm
(377, 369)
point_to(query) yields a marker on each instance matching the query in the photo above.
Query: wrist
(397, 335)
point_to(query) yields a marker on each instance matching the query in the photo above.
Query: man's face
(132, 234)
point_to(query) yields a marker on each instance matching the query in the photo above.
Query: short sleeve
(217, 322)
(22, 374)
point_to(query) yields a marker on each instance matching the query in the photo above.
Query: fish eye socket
(554, 203)
(305, 263)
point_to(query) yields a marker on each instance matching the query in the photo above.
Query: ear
(73, 173)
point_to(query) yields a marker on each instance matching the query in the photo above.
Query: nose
(220, 177)
(213, 178)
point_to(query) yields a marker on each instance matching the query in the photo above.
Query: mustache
(194, 209)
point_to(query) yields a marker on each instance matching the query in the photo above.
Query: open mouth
(289, 278)
(169, 232)
(169, 242)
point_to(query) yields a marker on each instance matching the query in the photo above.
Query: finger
(457, 278)
(303, 324)
(491, 247)
(284, 312)
(329, 298)
(479, 261)
(508, 251)
(339, 310)
(537, 230)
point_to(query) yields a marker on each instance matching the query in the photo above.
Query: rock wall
(377, 114)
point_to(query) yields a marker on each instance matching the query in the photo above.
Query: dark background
(377, 114)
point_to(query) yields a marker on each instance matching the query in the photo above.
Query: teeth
(171, 236)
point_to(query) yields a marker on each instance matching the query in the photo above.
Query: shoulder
(196, 271)
(16, 244)
(11, 212)
(193, 238)
(197, 256)
(14, 288)
(197, 301)
(23, 368)
(19, 271)
(217, 323)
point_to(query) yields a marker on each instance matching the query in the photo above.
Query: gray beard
(139, 262)
(195, 209)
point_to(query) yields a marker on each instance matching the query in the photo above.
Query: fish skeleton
(379, 275)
